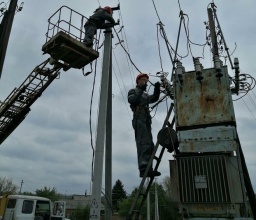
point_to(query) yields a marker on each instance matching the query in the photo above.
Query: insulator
(198, 69)
(179, 71)
(236, 63)
(218, 65)
(179, 68)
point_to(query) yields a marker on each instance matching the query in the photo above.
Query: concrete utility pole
(108, 154)
(103, 138)
(6, 26)
(213, 33)
(21, 183)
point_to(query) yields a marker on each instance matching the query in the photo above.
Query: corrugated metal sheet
(215, 189)
(207, 185)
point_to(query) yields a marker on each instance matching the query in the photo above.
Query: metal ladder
(133, 212)
(16, 106)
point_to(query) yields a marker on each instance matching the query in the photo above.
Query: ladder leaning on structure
(163, 136)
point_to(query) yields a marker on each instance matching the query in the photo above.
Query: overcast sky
(52, 148)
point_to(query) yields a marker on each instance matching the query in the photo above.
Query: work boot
(89, 45)
(151, 173)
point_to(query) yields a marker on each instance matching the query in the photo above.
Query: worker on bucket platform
(97, 21)
(139, 102)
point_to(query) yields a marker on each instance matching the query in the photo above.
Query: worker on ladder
(139, 102)
(97, 21)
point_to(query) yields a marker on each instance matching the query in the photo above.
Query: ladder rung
(143, 194)
(156, 158)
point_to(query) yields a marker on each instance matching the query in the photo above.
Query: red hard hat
(140, 76)
(108, 9)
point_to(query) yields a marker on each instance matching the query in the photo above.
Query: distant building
(75, 201)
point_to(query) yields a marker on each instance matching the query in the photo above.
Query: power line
(122, 94)
(159, 51)
(126, 43)
(248, 108)
(156, 11)
(253, 94)
(120, 73)
(90, 114)
(179, 4)
(252, 101)
(130, 67)
(126, 51)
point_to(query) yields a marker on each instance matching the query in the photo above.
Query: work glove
(157, 85)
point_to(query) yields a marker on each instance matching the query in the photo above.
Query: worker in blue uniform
(97, 21)
(139, 102)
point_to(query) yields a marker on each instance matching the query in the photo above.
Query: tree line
(121, 201)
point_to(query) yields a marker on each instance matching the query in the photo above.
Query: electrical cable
(172, 49)
(240, 97)
(245, 87)
(177, 44)
(187, 35)
(252, 101)
(186, 28)
(123, 34)
(159, 52)
(163, 34)
(249, 108)
(156, 11)
(179, 4)
(90, 114)
(155, 112)
(130, 68)
(121, 90)
(126, 52)
(253, 94)
(120, 73)
(19, 8)
(168, 44)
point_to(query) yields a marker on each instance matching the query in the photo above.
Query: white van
(20, 207)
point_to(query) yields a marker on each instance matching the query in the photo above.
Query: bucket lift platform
(73, 53)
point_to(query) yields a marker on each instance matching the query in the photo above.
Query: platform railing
(67, 20)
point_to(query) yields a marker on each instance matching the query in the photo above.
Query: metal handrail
(56, 26)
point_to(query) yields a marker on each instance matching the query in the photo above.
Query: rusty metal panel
(210, 139)
(205, 102)
(212, 211)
